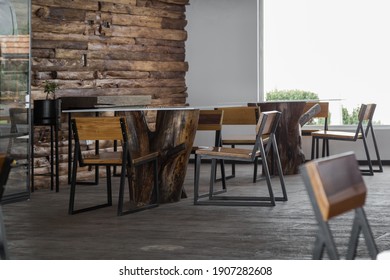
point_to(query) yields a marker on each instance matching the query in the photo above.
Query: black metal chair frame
(127, 164)
(257, 151)
(324, 239)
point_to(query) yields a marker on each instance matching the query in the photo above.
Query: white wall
(221, 51)
(222, 54)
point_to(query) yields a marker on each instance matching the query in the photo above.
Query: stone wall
(128, 48)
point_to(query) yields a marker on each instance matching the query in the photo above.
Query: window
(14, 89)
(337, 49)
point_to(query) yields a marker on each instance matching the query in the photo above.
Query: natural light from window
(339, 49)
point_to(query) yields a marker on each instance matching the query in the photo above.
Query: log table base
(173, 137)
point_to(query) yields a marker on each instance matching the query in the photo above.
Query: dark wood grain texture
(172, 137)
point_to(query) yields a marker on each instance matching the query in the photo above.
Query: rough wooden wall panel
(112, 47)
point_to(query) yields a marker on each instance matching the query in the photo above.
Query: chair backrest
(241, 115)
(18, 116)
(98, 129)
(266, 126)
(366, 112)
(322, 113)
(370, 111)
(211, 120)
(5, 167)
(368, 116)
(335, 185)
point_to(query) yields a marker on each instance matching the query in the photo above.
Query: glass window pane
(14, 88)
(337, 49)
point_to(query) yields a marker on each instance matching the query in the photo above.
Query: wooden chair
(109, 129)
(335, 186)
(211, 121)
(243, 116)
(317, 111)
(266, 125)
(363, 129)
(5, 167)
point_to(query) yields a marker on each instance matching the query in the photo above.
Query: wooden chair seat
(228, 153)
(335, 134)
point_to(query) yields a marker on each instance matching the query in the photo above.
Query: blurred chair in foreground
(335, 186)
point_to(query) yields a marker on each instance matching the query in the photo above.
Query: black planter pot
(47, 112)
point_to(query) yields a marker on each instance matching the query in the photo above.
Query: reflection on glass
(14, 87)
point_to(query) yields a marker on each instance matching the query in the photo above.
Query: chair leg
(212, 177)
(380, 169)
(156, 183)
(360, 224)
(71, 210)
(267, 175)
(370, 170)
(256, 163)
(223, 179)
(324, 240)
(3, 239)
(223, 174)
(196, 179)
(233, 173)
(109, 192)
(319, 248)
(313, 146)
(122, 188)
(280, 172)
(155, 191)
(73, 183)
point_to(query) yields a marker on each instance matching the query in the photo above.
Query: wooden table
(287, 135)
(173, 137)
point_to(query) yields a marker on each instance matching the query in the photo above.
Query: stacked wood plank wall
(111, 47)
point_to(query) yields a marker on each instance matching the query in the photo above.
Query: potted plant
(47, 111)
(50, 89)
